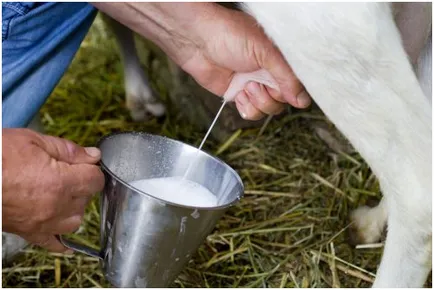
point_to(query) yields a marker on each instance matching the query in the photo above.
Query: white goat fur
(350, 58)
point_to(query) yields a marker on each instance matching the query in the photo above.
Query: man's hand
(47, 183)
(235, 43)
(212, 43)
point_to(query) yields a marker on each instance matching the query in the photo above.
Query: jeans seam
(6, 24)
(19, 10)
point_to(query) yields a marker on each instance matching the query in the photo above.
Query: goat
(351, 59)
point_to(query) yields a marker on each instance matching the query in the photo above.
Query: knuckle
(96, 178)
(47, 210)
(276, 109)
(30, 133)
(255, 116)
(64, 149)
(71, 149)
(74, 224)
(296, 87)
(44, 216)
(51, 144)
(100, 178)
(29, 226)
(254, 113)
(268, 108)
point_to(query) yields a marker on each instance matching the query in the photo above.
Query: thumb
(240, 80)
(69, 152)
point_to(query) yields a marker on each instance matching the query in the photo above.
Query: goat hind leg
(369, 222)
(350, 58)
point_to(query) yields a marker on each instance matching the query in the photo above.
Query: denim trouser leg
(39, 42)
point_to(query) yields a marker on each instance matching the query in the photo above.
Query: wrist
(177, 28)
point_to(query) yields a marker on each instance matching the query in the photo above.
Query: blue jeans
(39, 42)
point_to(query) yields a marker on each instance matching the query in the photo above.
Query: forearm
(171, 26)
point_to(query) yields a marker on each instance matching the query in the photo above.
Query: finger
(67, 151)
(74, 207)
(82, 179)
(291, 89)
(303, 98)
(261, 99)
(48, 242)
(62, 226)
(246, 109)
(79, 205)
(276, 95)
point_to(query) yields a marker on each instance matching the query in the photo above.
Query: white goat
(351, 59)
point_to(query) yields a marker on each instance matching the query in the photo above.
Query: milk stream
(180, 190)
(193, 161)
(177, 190)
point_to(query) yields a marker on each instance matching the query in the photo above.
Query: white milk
(203, 140)
(177, 190)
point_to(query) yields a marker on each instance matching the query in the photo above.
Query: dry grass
(288, 231)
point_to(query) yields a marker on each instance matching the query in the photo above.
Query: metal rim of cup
(111, 135)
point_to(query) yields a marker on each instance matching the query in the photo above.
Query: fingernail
(92, 151)
(243, 115)
(243, 102)
(255, 90)
(69, 252)
(303, 99)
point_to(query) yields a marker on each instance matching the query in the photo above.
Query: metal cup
(146, 241)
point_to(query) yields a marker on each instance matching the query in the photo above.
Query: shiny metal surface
(146, 241)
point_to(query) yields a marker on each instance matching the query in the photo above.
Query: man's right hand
(47, 183)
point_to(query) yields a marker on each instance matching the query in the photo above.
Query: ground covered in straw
(288, 231)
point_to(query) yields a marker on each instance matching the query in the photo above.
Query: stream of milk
(193, 161)
(179, 189)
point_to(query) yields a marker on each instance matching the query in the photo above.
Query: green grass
(288, 231)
